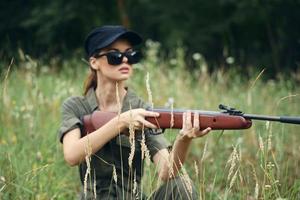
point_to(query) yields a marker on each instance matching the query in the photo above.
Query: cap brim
(132, 37)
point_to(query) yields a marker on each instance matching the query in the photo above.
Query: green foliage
(261, 162)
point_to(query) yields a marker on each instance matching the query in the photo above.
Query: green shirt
(115, 152)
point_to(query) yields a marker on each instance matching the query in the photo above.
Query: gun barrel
(282, 119)
(201, 112)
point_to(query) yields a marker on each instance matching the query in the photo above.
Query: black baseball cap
(103, 36)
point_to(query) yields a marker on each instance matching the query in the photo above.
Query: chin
(125, 76)
(122, 78)
(116, 77)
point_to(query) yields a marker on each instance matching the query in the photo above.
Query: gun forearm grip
(216, 122)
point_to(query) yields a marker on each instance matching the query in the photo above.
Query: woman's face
(113, 72)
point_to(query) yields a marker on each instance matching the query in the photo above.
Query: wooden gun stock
(168, 119)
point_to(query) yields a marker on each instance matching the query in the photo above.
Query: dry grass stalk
(268, 186)
(233, 179)
(286, 97)
(170, 165)
(132, 143)
(134, 184)
(267, 125)
(34, 172)
(144, 148)
(2, 188)
(249, 94)
(261, 144)
(3, 180)
(120, 148)
(88, 151)
(254, 173)
(115, 177)
(95, 184)
(186, 179)
(256, 191)
(270, 142)
(234, 157)
(172, 115)
(149, 90)
(5, 96)
(196, 168)
(234, 169)
(258, 76)
(204, 152)
(118, 99)
(241, 177)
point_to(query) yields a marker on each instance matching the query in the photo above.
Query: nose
(125, 59)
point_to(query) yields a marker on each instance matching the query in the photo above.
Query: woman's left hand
(191, 128)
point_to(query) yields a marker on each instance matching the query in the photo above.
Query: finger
(184, 121)
(189, 119)
(148, 124)
(196, 124)
(150, 114)
(205, 131)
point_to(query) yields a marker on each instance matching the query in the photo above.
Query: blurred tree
(52, 27)
(253, 32)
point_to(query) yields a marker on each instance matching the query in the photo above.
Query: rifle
(227, 119)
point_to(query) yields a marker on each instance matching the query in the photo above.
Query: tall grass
(259, 163)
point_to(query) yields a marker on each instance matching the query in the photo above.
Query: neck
(108, 93)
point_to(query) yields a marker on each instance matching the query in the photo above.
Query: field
(258, 163)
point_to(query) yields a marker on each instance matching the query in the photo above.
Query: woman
(102, 156)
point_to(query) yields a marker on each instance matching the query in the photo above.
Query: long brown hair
(90, 81)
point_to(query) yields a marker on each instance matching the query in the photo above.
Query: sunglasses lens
(114, 58)
(133, 57)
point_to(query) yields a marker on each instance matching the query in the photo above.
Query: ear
(93, 63)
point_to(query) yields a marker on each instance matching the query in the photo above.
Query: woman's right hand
(136, 118)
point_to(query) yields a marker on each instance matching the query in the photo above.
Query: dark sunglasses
(116, 57)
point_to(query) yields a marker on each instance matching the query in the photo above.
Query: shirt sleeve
(69, 118)
(156, 142)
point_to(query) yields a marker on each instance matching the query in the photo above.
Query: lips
(124, 69)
